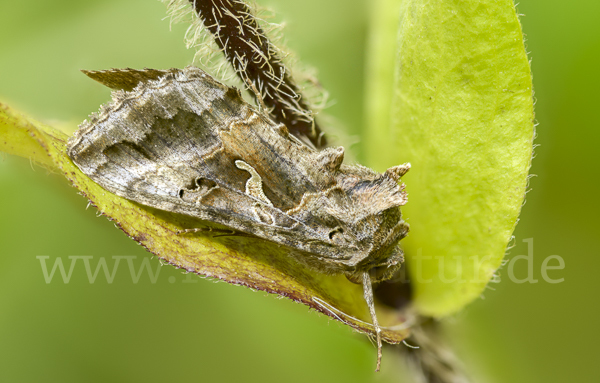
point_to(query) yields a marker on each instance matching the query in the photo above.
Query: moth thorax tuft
(395, 172)
(331, 158)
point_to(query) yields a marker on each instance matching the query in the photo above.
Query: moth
(180, 141)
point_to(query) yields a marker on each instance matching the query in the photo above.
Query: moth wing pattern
(162, 145)
(188, 144)
(180, 141)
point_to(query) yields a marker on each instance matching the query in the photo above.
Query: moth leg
(217, 232)
(368, 294)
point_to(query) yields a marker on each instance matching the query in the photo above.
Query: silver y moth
(180, 141)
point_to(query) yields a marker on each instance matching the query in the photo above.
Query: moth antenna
(368, 293)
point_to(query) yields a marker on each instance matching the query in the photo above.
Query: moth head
(381, 268)
(370, 219)
(359, 215)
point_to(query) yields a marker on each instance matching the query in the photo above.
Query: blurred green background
(186, 328)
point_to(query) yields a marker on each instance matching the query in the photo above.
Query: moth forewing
(185, 143)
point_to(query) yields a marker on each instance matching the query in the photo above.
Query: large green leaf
(459, 108)
(462, 113)
(243, 261)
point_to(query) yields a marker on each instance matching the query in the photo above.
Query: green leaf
(462, 113)
(243, 261)
(24, 140)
